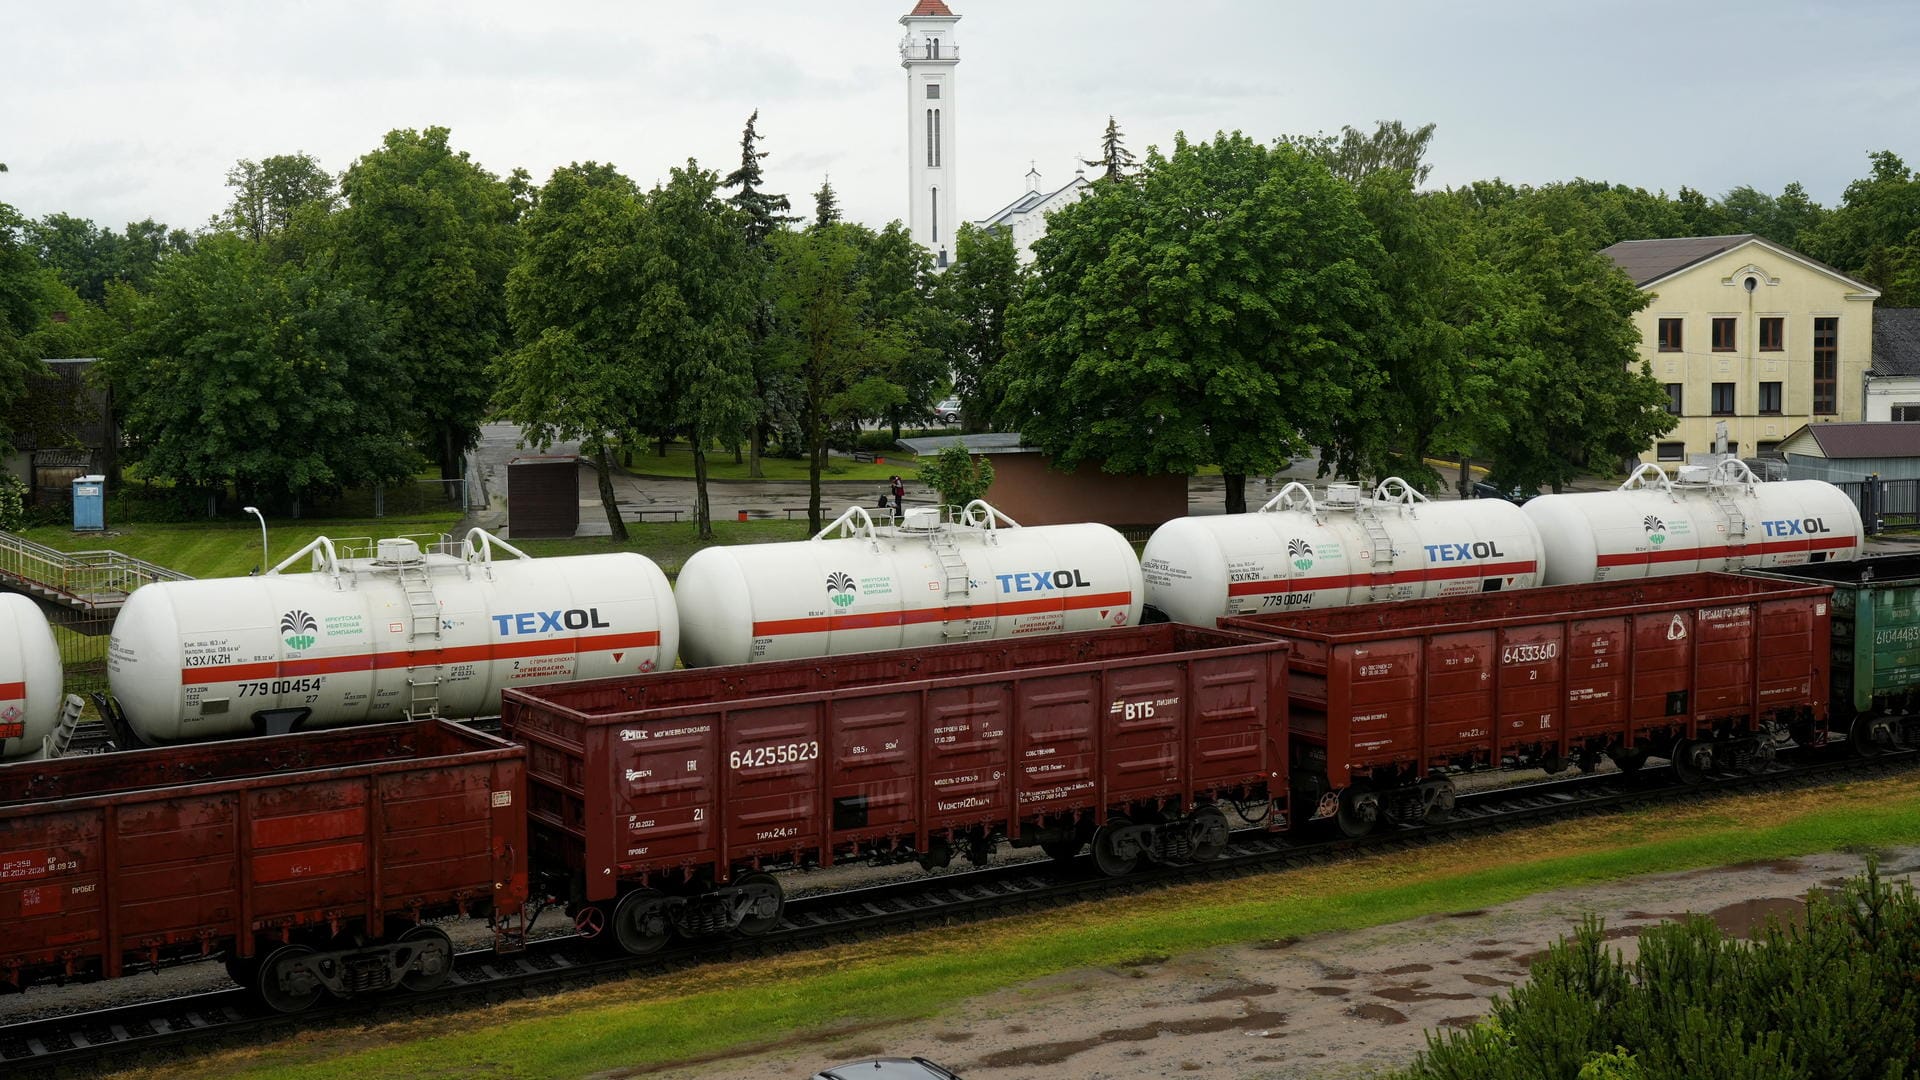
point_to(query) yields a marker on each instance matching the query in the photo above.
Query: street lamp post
(263, 535)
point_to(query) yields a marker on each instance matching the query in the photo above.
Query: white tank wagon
(856, 587)
(1718, 517)
(1298, 553)
(404, 633)
(29, 677)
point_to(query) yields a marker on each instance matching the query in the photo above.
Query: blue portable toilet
(90, 504)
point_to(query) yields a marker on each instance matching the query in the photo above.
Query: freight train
(407, 633)
(658, 805)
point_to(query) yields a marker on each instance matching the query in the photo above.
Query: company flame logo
(840, 589)
(1656, 529)
(298, 628)
(1300, 552)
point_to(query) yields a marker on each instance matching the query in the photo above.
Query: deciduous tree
(977, 291)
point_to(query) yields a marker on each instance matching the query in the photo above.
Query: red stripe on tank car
(1445, 572)
(460, 654)
(1722, 551)
(13, 691)
(865, 620)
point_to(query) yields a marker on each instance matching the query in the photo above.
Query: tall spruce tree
(1114, 157)
(763, 213)
(826, 205)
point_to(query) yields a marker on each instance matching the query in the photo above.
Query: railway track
(121, 1036)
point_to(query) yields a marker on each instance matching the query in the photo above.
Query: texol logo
(299, 629)
(1477, 549)
(1795, 527)
(1042, 581)
(543, 622)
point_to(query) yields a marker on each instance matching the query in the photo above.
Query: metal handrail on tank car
(857, 523)
(1391, 490)
(481, 552)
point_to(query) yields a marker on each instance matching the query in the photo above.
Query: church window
(934, 197)
(933, 91)
(933, 138)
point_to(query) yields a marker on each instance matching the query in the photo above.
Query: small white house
(1893, 381)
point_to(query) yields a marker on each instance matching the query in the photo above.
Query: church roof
(1031, 201)
(930, 9)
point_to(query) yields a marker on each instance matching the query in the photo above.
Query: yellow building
(1748, 333)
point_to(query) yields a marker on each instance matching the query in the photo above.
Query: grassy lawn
(669, 543)
(231, 548)
(641, 1024)
(720, 466)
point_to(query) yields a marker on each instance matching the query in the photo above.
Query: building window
(1770, 399)
(1826, 366)
(1671, 451)
(1675, 392)
(1723, 399)
(934, 198)
(1773, 333)
(1906, 412)
(1669, 335)
(1768, 449)
(1723, 335)
(1733, 448)
(933, 91)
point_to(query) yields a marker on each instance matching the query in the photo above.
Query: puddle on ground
(1418, 992)
(1777, 866)
(1489, 954)
(1460, 1021)
(1338, 974)
(1017, 1029)
(1407, 969)
(1746, 918)
(1279, 943)
(953, 1036)
(1327, 991)
(1474, 914)
(1653, 916)
(1380, 1013)
(1261, 1023)
(1489, 941)
(1231, 993)
(1485, 980)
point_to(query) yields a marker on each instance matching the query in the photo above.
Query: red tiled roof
(931, 8)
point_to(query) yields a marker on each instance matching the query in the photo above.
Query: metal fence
(1885, 505)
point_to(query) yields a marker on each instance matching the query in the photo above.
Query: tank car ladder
(423, 623)
(1383, 553)
(959, 586)
(1736, 525)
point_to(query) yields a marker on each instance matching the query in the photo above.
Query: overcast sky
(117, 110)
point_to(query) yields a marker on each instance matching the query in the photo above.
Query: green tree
(24, 289)
(1216, 310)
(1874, 234)
(574, 300)
(272, 378)
(977, 291)
(918, 333)
(1115, 160)
(431, 236)
(825, 339)
(958, 476)
(826, 205)
(762, 214)
(1782, 220)
(697, 293)
(269, 193)
(1353, 155)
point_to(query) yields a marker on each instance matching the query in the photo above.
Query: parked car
(948, 411)
(914, 1068)
(1515, 495)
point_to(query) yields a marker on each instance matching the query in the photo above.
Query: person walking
(899, 490)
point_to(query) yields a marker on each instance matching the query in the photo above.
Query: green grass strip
(933, 972)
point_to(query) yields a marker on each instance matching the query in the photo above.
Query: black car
(1514, 495)
(893, 1068)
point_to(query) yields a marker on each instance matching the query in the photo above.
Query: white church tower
(930, 55)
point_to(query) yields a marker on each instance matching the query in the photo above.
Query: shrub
(13, 503)
(1837, 998)
(958, 476)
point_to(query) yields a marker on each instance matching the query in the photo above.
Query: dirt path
(1337, 1005)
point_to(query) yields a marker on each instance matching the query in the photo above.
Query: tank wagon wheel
(1062, 850)
(434, 965)
(1359, 813)
(1210, 834)
(1691, 760)
(640, 922)
(764, 902)
(282, 986)
(1106, 852)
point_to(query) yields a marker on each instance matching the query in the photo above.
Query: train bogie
(682, 788)
(1876, 647)
(1389, 701)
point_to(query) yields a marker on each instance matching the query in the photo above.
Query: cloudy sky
(118, 110)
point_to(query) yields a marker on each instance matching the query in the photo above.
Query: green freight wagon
(1876, 647)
